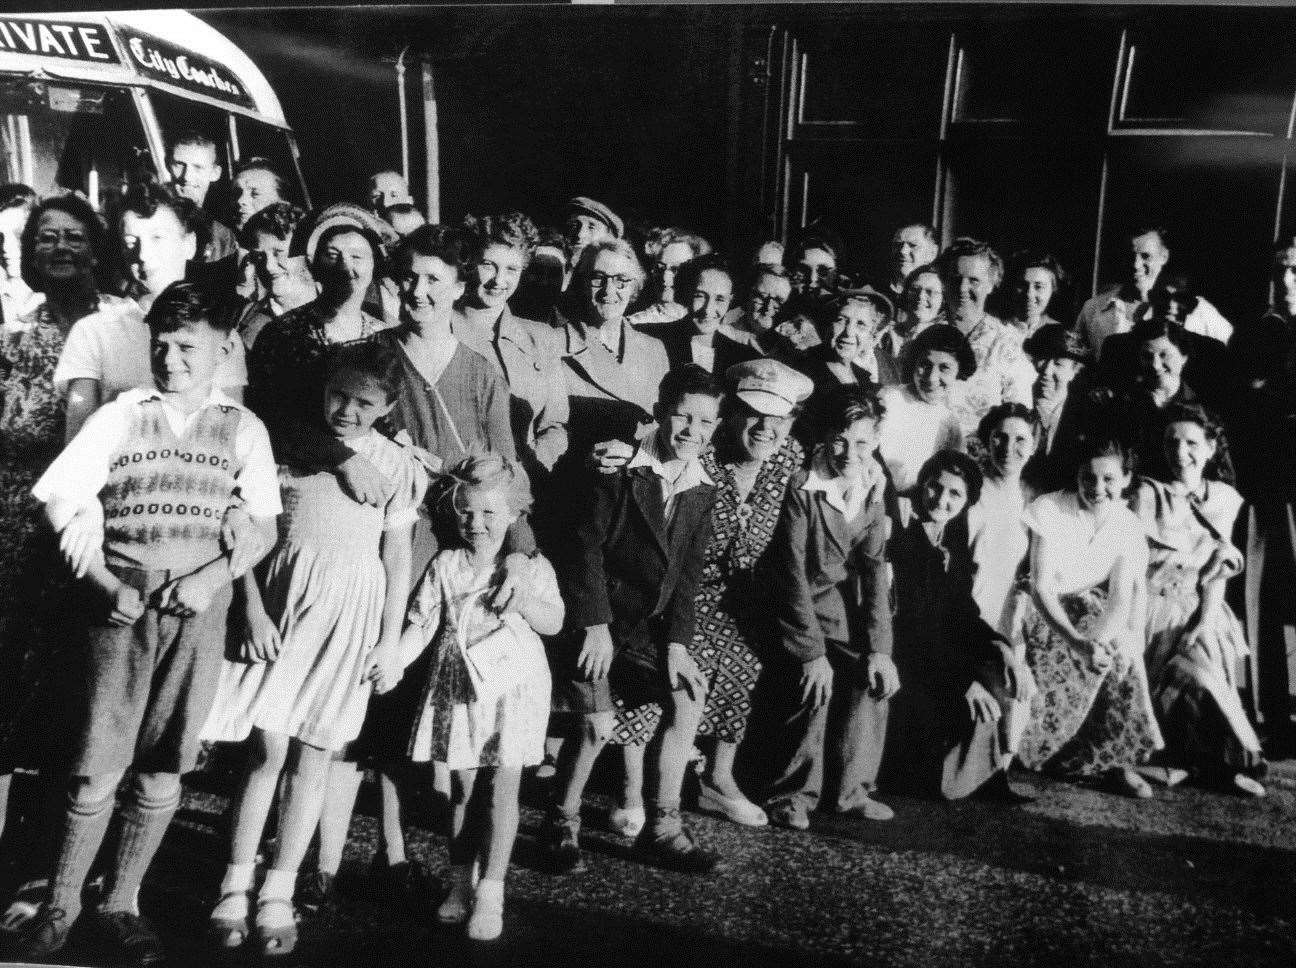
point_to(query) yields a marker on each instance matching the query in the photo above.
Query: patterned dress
(34, 584)
(1093, 711)
(1003, 375)
(728, 604)
(495, 714)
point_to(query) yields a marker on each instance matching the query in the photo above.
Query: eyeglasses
(599, 280)
(761, 300)
(72, 238)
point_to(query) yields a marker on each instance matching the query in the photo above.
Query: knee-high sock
(144, 823)
(84, 825)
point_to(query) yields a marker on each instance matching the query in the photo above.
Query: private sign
(46, 38)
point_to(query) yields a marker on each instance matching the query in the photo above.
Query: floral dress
(477, 711)
(34, 584)
(1003, 375)
(728, 606)
(1092, 712)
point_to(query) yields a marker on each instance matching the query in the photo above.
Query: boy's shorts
(149, 686)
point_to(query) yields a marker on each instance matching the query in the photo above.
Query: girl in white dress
(486, 704)
(323, 626)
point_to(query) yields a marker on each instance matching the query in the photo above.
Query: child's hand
(816, 682)
(261, 642)
(243, 541)
(128, 605)
(82, 538)
(595, 659)
(517, 574)
(188, 595)
(362, 481)
(683, 673)
(982, 706)
(385, 670)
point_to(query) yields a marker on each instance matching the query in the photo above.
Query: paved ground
(1077, 878)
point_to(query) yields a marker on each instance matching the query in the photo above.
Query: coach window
(886, 79)
(1054, 73)
(1231, 79)
(260, 140)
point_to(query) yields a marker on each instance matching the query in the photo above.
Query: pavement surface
(1079, 877)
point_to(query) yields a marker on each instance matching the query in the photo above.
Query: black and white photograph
(614, 484)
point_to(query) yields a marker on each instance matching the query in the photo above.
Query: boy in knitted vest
(165, 464)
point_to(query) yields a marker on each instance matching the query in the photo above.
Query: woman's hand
(816, 682)
(595, 659)
(385, 670)
(683, 673)
(261, 642)
(362, 481)
(610, 456)
(982, 706)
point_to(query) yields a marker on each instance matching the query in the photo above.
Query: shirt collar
(217, 398)
(680, 475)
(821, 480)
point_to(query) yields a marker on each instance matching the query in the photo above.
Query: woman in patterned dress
(971, 271)
(753, 460)
(61, 243)
(1092, 715)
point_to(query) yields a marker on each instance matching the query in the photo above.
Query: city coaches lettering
(49, 38)
(174, 65)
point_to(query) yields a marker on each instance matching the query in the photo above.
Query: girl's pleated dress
(486, 703)
(324, 589)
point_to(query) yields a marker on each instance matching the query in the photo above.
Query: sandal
(228, 932)
(276, 940)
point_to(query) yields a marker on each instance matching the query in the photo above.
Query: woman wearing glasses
(612, 369)
(753, 322)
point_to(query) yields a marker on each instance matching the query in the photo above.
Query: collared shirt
(1090, 547)
(845, 495)
(79, 473)
(112, 346)
(677, 476)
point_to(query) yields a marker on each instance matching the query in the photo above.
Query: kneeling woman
(1195, 645)
(957, 673)
(1093, 714)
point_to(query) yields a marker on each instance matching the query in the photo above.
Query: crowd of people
(448, 503)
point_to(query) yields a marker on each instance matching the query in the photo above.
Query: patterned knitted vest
(166, 496)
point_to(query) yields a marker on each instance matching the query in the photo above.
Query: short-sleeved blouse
(1090, 549)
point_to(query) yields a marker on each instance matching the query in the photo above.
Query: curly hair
(512, 229)
(484, 471)
(658, 238)
(848, 405)
(1219, 467)
(449, 243)
(277, 219)
(370, 359)
(1006, 411)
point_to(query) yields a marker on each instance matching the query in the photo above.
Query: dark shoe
(788, 813)
(133, 936)
(673, 851)
(406, 883)
(998, 790)
(42, 936)
(559, 840)
(316, 891)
